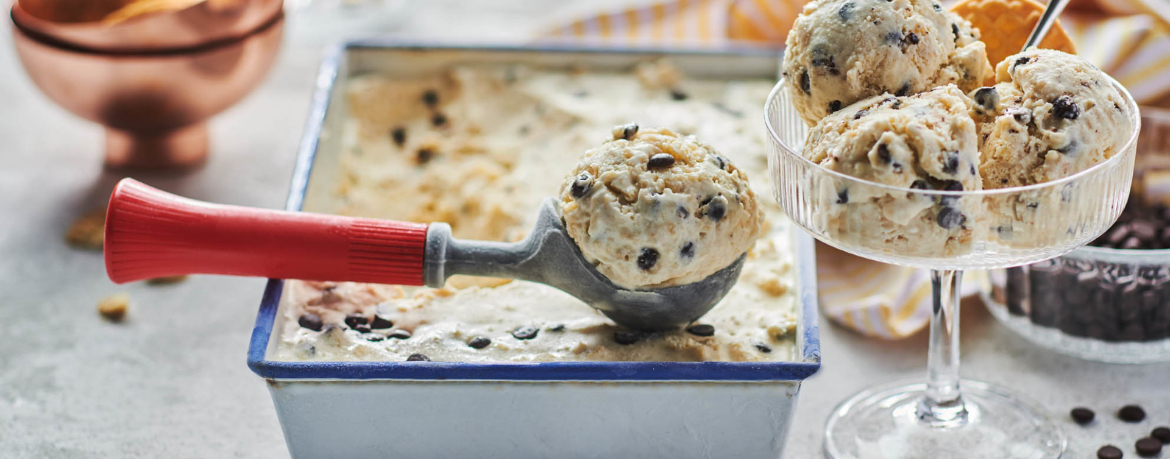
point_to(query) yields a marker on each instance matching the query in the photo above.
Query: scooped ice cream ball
(652, 208)
(842, 51)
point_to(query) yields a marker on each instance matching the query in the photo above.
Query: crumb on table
(88, 231)
(114, 307)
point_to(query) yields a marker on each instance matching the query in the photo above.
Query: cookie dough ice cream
(842, 51)
(926, 141)
(479, 147)
(653, 208)
(1049, 115)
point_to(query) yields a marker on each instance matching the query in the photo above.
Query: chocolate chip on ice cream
(525, 333)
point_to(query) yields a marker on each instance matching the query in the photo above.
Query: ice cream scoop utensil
(151, 233)
(1051, 12)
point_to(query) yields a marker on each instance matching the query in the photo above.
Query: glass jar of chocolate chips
(1108, 301)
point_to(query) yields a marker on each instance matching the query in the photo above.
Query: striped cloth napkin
(1129, 39)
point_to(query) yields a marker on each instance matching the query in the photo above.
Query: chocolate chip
(714, 209)
(894, 38)
(1022, 61)
(399, 334)
(557, 328)
(525, 332)
(582, 185)
(722, 163)
(701, 330)
(424, 155)
(374, 337)
(439, 120)
(626, 338)
(987, 98)
(311, 321)
(822, 57)
(647, 258)
(1021, 115)
(846, 11)
(1131, 413)
(951, 163)
(1064, 107)
(354, 320)
(949, 217)
(629, 131)
(398, 135)
(955, 30)
(1082, 415)
(682, 212)
(860, 113)
(418, 358)
(1144, 230)
(362, 328)
(1162, 434)
(1117, 235)
(883, 153)
(805, 83)
(952, 185)
(937, 7)
(843, 196)
(479, 342)
(834, 106)
(1148, 447)
(764, 348)
(912, 38)
(678, 94)
(1109, 452)
(379, 323)
(688, 251)
(660, 161)
(431, 98)
(896, 105)
(903, 91)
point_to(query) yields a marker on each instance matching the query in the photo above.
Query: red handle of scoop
(152, 233)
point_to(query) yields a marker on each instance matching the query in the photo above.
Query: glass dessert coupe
(981, 230)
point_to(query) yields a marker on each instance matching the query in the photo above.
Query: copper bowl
(154, 105)
(78, 24)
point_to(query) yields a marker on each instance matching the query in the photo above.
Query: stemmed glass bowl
(946, 232)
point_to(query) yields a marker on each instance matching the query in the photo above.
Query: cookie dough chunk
(842, 51)
(925, 141)
(652, 208)
(1050, 115)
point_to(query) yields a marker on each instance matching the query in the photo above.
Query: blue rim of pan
(809, 331)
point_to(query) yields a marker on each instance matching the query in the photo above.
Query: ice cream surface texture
(479, 147)
(926, 141)
(1050, 115)
(842, 51)
(653, 208)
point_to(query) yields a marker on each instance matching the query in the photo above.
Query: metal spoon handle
(1051, 12)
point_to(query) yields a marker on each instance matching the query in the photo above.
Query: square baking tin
(519, 410)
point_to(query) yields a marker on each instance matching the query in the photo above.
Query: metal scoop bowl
(151, 233)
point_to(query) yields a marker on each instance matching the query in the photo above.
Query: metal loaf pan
(519, 410)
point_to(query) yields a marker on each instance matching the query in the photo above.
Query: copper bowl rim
(42, 30)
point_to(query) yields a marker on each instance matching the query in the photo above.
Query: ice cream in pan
(623, 245)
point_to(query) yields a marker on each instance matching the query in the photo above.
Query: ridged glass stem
(942, 406)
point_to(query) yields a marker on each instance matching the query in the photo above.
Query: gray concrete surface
(171, 381)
